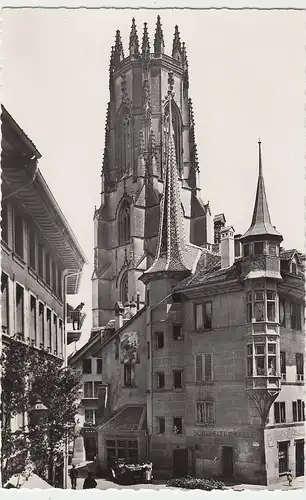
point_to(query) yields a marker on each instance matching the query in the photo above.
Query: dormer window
(258, 248)
(293, 268)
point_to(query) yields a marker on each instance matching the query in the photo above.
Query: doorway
(299, 458)
(227, 461)
(180, 463)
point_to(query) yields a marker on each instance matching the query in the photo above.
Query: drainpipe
(66, 450)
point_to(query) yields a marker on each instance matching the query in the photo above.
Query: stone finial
(159, 44)
(118, 50)
(134, 42)
(145, 48)
(176, 48)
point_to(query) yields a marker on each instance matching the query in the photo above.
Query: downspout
(66, 451)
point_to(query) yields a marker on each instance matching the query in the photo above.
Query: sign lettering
(223, 433)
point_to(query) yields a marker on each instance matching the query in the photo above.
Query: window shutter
(199, 368)
(294, 411)
(208, 368)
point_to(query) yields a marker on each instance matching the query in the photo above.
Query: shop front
(123, 436)
(284, 450)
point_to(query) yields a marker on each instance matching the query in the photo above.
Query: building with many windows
(206, 376)
(41, 260)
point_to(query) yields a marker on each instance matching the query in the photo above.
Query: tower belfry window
(124, 223)
(124, 141)
(177, 133)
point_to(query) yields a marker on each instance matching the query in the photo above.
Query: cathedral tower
(134, 166)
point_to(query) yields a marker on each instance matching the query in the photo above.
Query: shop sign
(234, 433)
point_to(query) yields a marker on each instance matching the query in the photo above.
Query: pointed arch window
(124, 141)
(177, 133)
(124, 223)
(124, 288)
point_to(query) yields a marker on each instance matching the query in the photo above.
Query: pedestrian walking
(89, 482)
(73, 473)
(289, 477)
(148, 472)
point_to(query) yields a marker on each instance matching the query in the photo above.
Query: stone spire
(185, 66)
(134, 42)
(145, 48)
(106, 144)
(176, 48)
(192, 144)
(169, 260)
(159, 44)
(118, 50)
(111, 73)
(261, 221)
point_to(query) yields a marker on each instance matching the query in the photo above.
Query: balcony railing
(76, 318)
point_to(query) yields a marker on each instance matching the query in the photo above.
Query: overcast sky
(246, 80)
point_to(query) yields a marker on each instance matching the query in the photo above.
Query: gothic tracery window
(124, 289)
(177, 133)
(124, 223)
(124, 141)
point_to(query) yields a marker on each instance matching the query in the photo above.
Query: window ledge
(5, 247)
(202, 424)
(204, 382)
(19, 260)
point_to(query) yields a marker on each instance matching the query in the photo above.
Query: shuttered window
(203, 367)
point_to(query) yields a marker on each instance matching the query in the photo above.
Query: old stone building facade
(204, 372)
(41, 260)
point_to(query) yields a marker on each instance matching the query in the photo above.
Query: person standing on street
(289, 477)
(89, 482)
(73, 473)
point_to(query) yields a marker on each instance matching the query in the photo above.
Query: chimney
(133, 307)
(118, 315)
(237, 245)
(227, 246)
(219, 223)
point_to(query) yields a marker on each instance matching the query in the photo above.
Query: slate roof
(127, 419)
(209, 270)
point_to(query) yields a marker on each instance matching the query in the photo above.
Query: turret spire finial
(177, 47)
(134, 42)
(145, 48)
(159, 44)
(259, 157)
(118, 51)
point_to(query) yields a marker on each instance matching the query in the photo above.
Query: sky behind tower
(246, 80)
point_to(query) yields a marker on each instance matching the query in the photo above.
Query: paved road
(103, 484)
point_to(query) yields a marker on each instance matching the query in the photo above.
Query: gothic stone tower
(133, 172)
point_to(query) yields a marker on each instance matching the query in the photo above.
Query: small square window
(161, 425)
(160, 380)
(246, 250)
(177, 425)
(159, 340)
(178, 379)
(87, 366)
(177, 332)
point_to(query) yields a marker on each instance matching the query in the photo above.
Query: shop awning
(130, 418)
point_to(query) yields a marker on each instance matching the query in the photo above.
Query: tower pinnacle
(145, 48)
(134, 42)
(118, 51)
(261, 222)
(177, 47)
(159, 44)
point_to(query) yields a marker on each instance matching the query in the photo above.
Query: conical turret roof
(261, 221)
